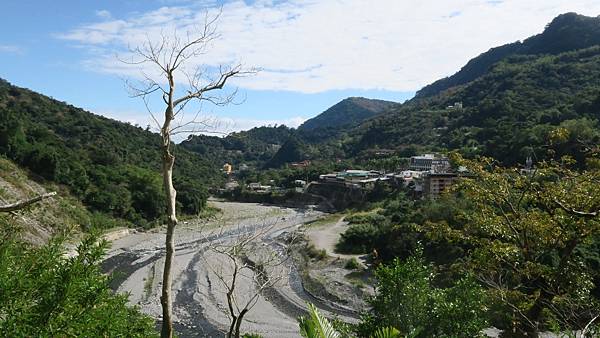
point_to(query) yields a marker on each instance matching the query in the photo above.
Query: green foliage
(314, 253)
(386, 332)
(528, 235)
(316, 326)
(45, 294)
(111, 166)
(293, 150)
(359, 238)
(253, 147)
(352, 264)
(407, 299)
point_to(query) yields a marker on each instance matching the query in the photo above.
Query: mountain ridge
(566, 32)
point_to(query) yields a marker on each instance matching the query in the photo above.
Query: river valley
(200, 305)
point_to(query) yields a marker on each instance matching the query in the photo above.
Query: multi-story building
(430, 162)
(436, 183)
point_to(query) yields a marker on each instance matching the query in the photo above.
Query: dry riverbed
(200, 307)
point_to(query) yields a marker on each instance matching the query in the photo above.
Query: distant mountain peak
(347, 113)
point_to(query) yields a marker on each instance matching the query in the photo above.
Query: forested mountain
(347, 113)
(262, 146)
(510, 111)
(515, 98)
(253, 147)
(567, 32)
(113, 167)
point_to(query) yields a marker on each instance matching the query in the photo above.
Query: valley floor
(200, 307)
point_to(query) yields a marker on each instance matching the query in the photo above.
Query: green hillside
(508, 113)
(511, 110)
(567, 32)
(112, 167)
(346, 113)
(253, 147)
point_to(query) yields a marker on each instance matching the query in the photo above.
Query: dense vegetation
(530, 239)
(408, 300)
(45, 294)
(253, 147)
(111, 166)
(508, 113)
(346, 113)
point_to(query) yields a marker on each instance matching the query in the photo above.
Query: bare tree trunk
(230, 300)
(170, 196)
(239, 323)
(167, 56)
(232, 327)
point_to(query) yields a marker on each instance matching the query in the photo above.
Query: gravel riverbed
(200, 306)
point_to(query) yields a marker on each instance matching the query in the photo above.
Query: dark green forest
(113, 167)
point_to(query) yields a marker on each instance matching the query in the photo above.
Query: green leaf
(317, 326)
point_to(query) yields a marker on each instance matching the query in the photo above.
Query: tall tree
(174, 61)
(528, 231)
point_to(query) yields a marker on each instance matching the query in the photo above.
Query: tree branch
(589, 214)
(22, 204)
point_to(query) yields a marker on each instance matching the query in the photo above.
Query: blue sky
(313, 52)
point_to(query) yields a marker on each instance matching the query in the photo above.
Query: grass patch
(329, 219)
(210, 212)
(352, 264)
(314, 253)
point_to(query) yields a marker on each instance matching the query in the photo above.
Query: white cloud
(218, 126)
(11, 49)
(229, 125)
(313, 46)
(103, 14)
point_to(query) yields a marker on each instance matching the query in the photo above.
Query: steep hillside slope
(347, 113)
(111, 166)
(567, 32)
(253, 147)
(61, 213)
(509, 113)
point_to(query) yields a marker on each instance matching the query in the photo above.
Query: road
(200, 307)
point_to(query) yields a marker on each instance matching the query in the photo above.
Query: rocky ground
(200, 307)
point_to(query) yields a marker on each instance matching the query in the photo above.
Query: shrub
(45, 294)
(315, 253)
(359, 238)
(352, 264)
(407, 299)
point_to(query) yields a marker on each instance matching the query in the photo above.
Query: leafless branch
(24, 203)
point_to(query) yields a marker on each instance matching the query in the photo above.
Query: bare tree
(244, 259)
(167, 57)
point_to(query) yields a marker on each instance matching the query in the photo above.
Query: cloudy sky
(312, 53)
